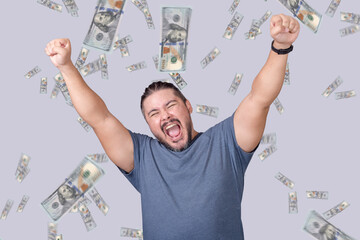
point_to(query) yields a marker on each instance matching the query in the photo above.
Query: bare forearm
(86, 102)
(268, 83)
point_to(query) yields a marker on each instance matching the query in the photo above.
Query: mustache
(170, 121)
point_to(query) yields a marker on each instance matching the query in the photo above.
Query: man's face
(330, 232)
(169, 119)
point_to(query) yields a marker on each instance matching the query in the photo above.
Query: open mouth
(173, 130)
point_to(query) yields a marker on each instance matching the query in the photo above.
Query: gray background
(317, 136)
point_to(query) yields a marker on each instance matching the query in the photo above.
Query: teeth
(170, 126)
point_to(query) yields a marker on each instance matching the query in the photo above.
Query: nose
(165, 115)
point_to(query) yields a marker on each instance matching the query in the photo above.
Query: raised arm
(250, 116)
(114, 137)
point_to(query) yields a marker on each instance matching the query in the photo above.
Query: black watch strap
(281, 51)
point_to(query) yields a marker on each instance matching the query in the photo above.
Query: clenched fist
(59, 51)
(284, 30)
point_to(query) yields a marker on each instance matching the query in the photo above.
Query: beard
(187, 144)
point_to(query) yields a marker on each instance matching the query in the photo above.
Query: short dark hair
(156, 86)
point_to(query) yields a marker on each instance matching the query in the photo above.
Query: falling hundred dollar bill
(345, 94)
(84, 124)
(6, 209)
(286, 181)
(61, 84)
(306, 14)
(104, 24)
(156, 61)
(98, 200)
(90, 68)
(83, 200)
(335, 84)
(143, 7)
(50, 4)
(98, 157)
(69, 193)
(122, 44)
(174, 38)
(335, 210)
(43, 85)
(131, 232)
(349, 30)
(59, 237)
(321, 229)
(86, 217)
(235, 83)
(54, 92)
(178, 79)
(22, 169)
(210, 57)
(287, 75)
(317, 194)
(293, 206)
(32, 72)
(136, 66)
(255, 26)
(52, 231)
(233, 25)
(278, 105)
(71, 7)
(350, 17)
(80, 61)
(103, 66)
(269, 138)
(22, 204)
(267, 152)
(234, 6)
(330, 11)
(206, 110)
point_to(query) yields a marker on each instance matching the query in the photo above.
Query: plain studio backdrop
(317, 137)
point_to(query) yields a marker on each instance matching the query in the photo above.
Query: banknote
(349, 30)
(98, 157)
(98, 200)
(286, 181)
(234, 6)
(350, 17)
(306, 14)
(278, 105)
(22, 204)
(345, 94)
(59, 237)
(293, 206)
(86, 217)
(335, 210)
(83, 200)
(54, 92)
(50, 4)
(22, 169)
(52, 231)
(32, 72)
(130, 232)
(287, 75)
(90, 68)
(103, 66)
(6, 209)
(22, 174)
(206, 110)
(178, 79)
(71, 7)
(43, 85)
(174, 38)
(235, 83)
(75, 186)
(335, 84)
(233, 25)
(269, 138)
(61, 84)
(84, 124)
(80, 61)
(136, 66)
(330, 11)
(267, 152)
(321, 229)
(317, 194)
(122, 41)
(210, 57)
(144, 8)
(254, 30)
(265, 17)
(104, 24)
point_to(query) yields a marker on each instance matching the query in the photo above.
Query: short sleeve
(139, 143)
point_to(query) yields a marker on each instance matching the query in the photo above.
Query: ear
(188, 105)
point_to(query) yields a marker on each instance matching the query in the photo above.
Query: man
(190, 183)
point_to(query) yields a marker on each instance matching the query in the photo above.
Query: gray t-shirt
(195, 193)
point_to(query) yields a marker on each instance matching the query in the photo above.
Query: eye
(171, 105)
(154, 114)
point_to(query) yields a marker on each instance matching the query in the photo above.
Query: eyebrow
(155, 109)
